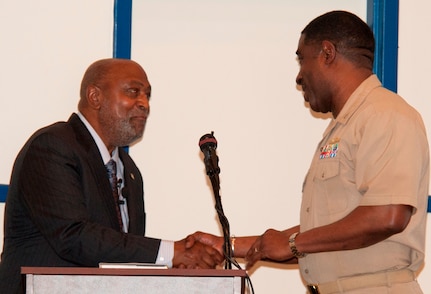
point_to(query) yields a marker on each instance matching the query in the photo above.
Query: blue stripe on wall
(122, 32)
(4, 189)
(3, 192)
(382, 16)
(122, 28)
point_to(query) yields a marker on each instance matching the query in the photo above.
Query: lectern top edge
(133, 272)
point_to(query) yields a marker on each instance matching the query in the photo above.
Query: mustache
(145, 112)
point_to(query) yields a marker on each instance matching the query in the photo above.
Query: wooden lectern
(50, 280)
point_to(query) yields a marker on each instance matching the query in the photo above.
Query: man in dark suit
(60, 209)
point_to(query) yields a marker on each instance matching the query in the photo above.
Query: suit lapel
(97, 168)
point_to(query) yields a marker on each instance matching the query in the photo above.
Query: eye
(133, 92)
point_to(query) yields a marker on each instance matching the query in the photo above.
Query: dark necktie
(111, 168)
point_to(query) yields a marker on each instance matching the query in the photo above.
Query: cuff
(166, 253)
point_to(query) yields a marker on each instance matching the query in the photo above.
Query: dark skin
(327, 79)
(117, 106)
(123, 96)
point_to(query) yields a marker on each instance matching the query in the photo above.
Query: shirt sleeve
(390, 160)
(166, 253)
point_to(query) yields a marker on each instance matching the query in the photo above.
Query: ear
(94, 96)
(328, 51)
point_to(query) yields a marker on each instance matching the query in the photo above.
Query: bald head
(115, 97)
(100, 72)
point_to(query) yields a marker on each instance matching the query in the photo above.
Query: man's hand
(213, 241)
(190, 253)
(272, 245)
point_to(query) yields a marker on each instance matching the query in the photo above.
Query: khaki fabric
(374, 153)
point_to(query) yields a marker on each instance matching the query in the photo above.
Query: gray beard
(120, 132)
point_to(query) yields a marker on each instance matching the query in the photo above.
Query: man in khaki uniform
(363, 213)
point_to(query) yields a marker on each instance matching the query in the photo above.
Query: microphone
(208, 145)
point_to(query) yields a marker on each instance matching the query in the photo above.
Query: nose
(299, 79)
(143, 103)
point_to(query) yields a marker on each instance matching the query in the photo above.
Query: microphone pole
(208, 145)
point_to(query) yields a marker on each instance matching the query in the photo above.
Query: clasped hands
(191, 253)
(207, 249)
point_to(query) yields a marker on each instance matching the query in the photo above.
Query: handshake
(198, 251)
(203, 250)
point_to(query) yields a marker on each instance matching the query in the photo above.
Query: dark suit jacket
(60, 210)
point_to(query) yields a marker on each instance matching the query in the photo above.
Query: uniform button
(306, 271)
(308, 209)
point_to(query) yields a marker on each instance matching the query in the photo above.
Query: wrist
(292, 244)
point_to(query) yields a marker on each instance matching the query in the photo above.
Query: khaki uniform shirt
(374, 153)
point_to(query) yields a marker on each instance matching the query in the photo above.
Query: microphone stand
(213, 171)
(223, 220)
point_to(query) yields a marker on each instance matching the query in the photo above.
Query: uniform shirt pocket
(329, 193)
